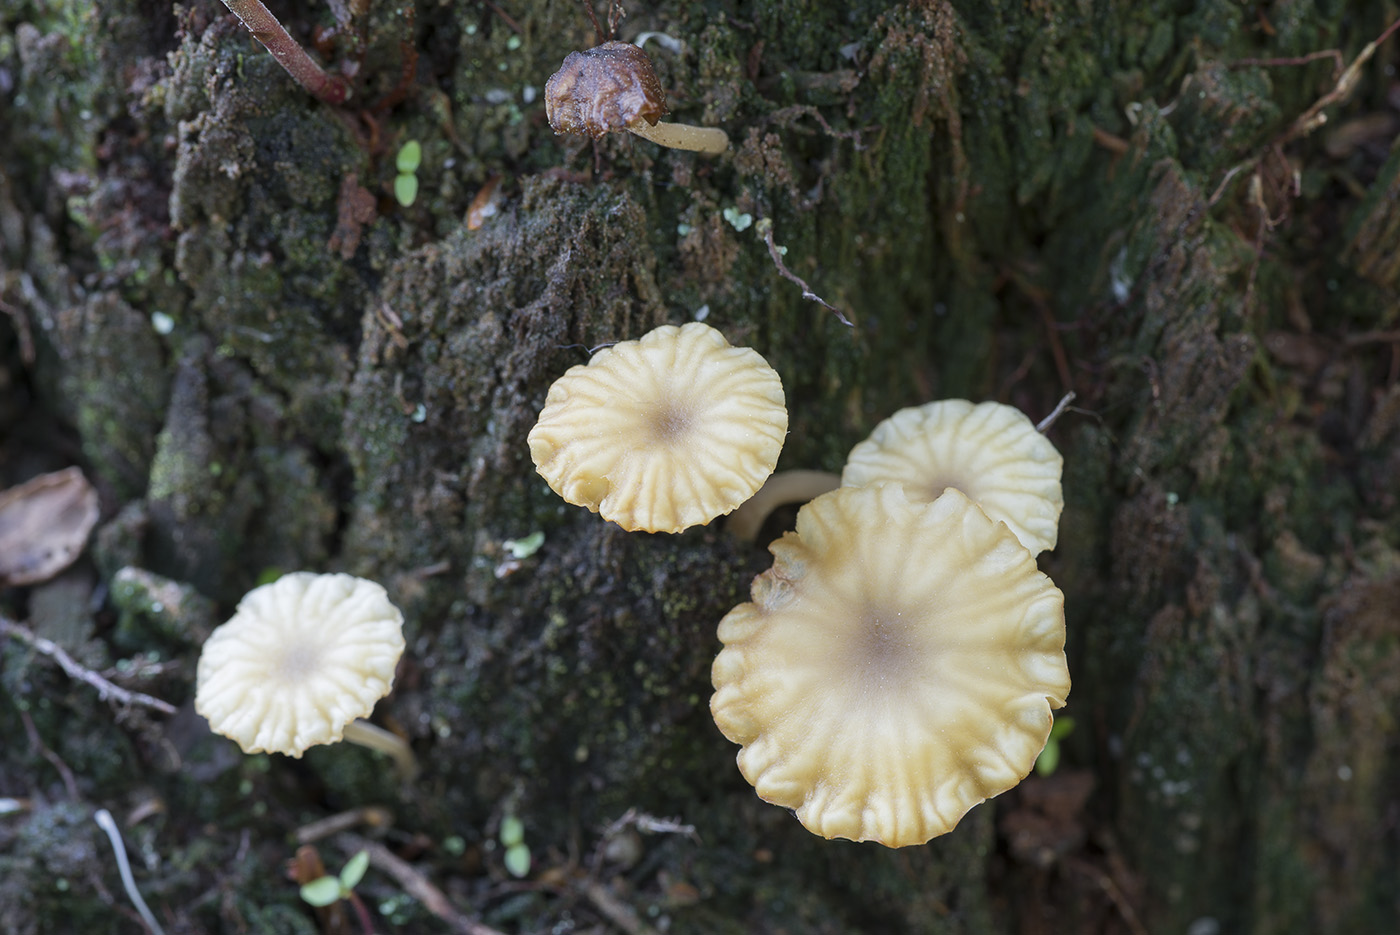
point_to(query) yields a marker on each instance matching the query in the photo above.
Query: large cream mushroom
(989, 451)
(663, 433)
(299, 661)
(897, 665)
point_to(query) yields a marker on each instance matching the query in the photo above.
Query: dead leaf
(44, 525)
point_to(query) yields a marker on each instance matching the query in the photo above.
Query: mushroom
(897, 665)
(991, 452)
(663, 433)
(613, 86)
(299, 661)
(782, 489)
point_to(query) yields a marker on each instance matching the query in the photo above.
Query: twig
(54, 759)
(1114, 144)
(1333, 54)
(618, 912)
(765, 226)
(105, 822)
(1312, 118)
(506, 17)
(288, 52)
(415, 883)
(26, 337)
(105, 689)
(372, 815)
(1055, 413)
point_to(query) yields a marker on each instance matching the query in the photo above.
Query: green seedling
(1049, 759)
(410, 157)
(517, 857)
(329, 889)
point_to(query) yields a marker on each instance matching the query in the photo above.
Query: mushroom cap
(896, 666)
(300, 658)
(991, 452)
(663, 433)
(608, 87)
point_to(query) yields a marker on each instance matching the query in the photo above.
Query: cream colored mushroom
(299, 661)
(663, 433)
(991, 452)
(896, 666)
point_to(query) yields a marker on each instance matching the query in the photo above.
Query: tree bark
(214, 303)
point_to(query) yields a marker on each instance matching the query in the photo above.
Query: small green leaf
(410, 158)
(1063, 727)
(1049, 759)
(518, 860)
(354, 870)
(524, 548)
(321, 892)
(406, 189)
(512, 831)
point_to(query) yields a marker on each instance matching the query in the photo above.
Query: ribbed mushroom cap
(663, 433)
(991, 452)
(300, 659)
(896, 667)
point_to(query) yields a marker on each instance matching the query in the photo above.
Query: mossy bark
(214, 303)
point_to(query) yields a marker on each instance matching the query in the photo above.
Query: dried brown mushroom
(663, 433)
(991, 452)
(300, 660)
(613, 86)
(44, 525)
(896, 666)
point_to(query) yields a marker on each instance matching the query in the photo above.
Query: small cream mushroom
(897, 666)
(991, 452)
(299, 661)
(663, 433)
(613, 86)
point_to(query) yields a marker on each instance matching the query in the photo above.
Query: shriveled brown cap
(608, 87)
(991, 452)
(301, 658)
(663, 433)
(896, 666)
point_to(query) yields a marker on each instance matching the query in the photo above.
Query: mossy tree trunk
(215, 305)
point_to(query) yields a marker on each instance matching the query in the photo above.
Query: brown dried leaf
(44, 525)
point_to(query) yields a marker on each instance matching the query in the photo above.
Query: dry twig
(105, 689)
(415, 884)
(766, 229)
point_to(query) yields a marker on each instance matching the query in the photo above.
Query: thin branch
(288, 52)
(1312, 118)
(105, 689)
(415, 884)
(1333, 54)
(54, 759)
(766, 226)
(1055, 413)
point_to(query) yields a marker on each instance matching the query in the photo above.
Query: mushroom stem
(709, 140)
(782, 488)
(368, 735)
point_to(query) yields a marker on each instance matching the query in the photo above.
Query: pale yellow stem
(780, 489)
(377, 738)
(709, 140)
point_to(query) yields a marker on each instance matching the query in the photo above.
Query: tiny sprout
(523, 548)
(1049, 759)
(410, 157)
(517, 856)
(738, 220)
(328, 889)
(406, 189)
